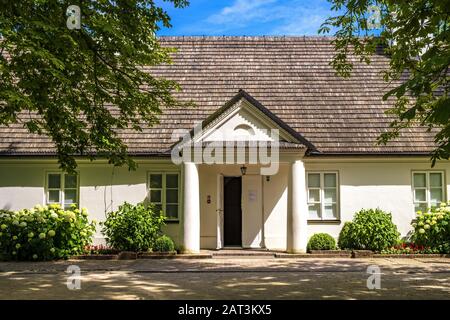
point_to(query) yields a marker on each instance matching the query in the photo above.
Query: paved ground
(229, 278)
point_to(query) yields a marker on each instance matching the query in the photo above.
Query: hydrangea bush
(44, 233)
(432, 228)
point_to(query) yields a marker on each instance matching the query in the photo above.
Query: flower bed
(410, 248)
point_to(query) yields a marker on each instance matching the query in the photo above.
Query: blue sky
(248, 17)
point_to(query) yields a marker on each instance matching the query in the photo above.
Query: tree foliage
(80, 86)
(415, 34)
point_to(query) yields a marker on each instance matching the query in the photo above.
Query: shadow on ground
(228, 279)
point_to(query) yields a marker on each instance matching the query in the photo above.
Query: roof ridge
(255, 38)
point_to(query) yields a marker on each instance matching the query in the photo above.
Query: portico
(257, 200)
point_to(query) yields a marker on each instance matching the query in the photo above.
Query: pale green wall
(102, 187)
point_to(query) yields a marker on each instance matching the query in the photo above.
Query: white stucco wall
(383, 183)
(364, 183)
(102, 187)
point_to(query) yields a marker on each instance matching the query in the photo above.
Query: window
(428, 189)
(164, 193)
(62, 189)
(322, 195)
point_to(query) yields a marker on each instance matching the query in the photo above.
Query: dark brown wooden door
(232, 189)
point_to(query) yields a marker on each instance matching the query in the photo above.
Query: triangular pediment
(244, 118)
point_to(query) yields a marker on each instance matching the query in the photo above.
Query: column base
(296, 251)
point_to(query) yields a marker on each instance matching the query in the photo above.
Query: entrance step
(242, 253)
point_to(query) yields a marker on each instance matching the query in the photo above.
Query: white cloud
(241, 11)
(302, 21)
(270, 17)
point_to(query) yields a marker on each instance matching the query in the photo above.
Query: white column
(298, 208)
(191, 208)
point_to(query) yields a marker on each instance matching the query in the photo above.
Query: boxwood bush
(432, 228)
(321, 241)
(44, 233)
(370, 230)
(133, 227)
(164, 244)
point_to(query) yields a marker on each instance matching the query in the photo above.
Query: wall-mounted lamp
(243, 170)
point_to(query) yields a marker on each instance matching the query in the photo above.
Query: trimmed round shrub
(164, 244)
(370, 230)
(133, 227)
(432, 228)
(44, 233)
(321, 241)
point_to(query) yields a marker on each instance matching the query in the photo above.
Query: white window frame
(322, 195)
(61, 188)
(163, 189)
(427, 187)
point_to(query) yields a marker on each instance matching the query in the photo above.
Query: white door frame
(219, 211)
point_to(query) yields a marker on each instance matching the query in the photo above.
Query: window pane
(420, 195)
(54, 181)
(172, 196)
(156, 181)
(330, 180)
(172, 181)
(314, 180)
(420, 207)
(314, 211)
(158, 208)
(70, 181)
(70, 196)
(53, 196)
(330, 195)
(155, 196)
(172, 211)
(435, 180)
(435, 196)
(314, 195)
(330, 212)
(419, 180)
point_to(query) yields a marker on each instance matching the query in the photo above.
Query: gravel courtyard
(228, 278)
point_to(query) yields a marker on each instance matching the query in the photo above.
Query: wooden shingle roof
(290, 76)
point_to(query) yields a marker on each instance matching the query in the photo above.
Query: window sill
(329, 221)
(172, 221)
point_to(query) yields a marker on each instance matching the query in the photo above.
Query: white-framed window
(428, 189)
(323, 195)
(164, 193)
(62, 188)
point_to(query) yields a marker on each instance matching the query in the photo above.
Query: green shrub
(164, 244)
(321, 241)
(44, 233)
(345, 240)
(133, 227)
(432, 228)
(369, 230)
